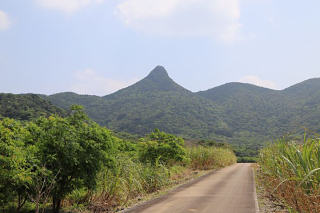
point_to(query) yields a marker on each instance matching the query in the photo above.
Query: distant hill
(305, 99)
(154, 102)
(250, 111)
(268, 113)
(26, 106)
(235, 112)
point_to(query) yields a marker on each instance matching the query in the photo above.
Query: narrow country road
(229, 190)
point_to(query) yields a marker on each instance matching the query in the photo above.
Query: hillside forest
(243, 115)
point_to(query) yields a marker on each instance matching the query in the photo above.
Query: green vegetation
(290, 171)
(73, 163)
(163, 148)
(243, 115)
(154, 102)
(26, 107)
(68, 152)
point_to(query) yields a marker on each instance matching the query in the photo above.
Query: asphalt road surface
(228, 190)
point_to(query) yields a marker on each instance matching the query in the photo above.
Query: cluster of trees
(51, 158)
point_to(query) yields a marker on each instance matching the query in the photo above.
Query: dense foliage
(163, 148)
(16, 161)
(291, 172)
(67, 151)
(26, 107)
(54, 162)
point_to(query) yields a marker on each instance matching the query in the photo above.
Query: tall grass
(131, 179)
(291, 172)
(127, 180)
(204, 158)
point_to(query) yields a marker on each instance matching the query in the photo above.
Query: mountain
(305, 99)
(250, 110)
(264, 113)
(26, 106)
(306, 89)
(154, 102)
(235, 112)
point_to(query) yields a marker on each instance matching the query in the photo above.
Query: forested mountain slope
(154, 102)
(251, 111)
(305, 98)
(266, 112)
(26, 106)
(234, 112)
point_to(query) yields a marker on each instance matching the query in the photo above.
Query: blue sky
(99, 46)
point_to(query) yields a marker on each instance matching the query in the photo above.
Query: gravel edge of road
(265, 203)
(255, 190)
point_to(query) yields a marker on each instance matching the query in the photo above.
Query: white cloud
(259, 82)
(92, 83)
(215, 18)
(67, 6)
(4, 21)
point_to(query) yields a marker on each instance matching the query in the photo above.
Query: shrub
(163, 148)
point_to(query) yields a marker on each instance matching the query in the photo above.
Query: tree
(162, 147)
(15, 168)
(73, 150)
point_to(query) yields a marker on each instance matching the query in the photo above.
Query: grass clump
(291, 172)
(204, 158)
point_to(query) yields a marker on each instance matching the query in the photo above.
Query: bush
(163, 148)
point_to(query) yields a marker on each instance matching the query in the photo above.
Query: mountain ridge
(234, 112)
(26, 106)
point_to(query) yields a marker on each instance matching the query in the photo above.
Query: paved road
(229, 190)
